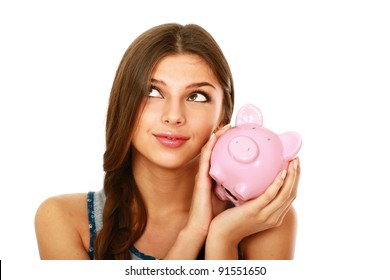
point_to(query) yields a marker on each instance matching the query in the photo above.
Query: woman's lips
(171, 140)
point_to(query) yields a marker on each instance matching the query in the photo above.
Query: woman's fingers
(222, 130)
(289, 190)
(283, 188)
(273, 204)
(204, 161)
(205, 155)
(202, 200)
(266, 211)
(271, 192)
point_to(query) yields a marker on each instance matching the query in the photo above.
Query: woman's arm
(191, 239)
(204, 206)
(277, 243)
(224, 231)
(61, 226)
(187, 246)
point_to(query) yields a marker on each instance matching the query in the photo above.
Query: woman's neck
(165, 191)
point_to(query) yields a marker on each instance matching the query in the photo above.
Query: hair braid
(122, 225)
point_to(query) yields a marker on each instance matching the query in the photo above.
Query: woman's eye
(198, 97)
(155, 93)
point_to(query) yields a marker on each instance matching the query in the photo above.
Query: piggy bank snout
(243, 149)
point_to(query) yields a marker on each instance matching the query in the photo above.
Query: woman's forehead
(188, 67)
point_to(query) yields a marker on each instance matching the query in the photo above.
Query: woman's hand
(205, 204)
(204, 207)
(265, 212)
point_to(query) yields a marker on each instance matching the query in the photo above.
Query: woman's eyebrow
(154, 81)
(193, 85)
(201, 84)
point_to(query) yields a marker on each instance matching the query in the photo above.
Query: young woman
(172, 97)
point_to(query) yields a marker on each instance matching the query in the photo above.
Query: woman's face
(183, 109)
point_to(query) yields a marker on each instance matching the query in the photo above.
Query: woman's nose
(173, 114)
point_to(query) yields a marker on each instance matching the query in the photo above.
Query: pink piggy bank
(247, 158)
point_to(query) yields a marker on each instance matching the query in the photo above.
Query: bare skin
(62, 231)
(183, 212)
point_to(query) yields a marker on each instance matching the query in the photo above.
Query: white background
(321, 68)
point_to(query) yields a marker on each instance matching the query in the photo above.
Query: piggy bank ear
(249, 114)
(291, 144)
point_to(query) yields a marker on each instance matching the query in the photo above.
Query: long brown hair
(124, 213)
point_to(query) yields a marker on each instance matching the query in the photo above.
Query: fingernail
(295, 163)
(226, 126)
(284, 173)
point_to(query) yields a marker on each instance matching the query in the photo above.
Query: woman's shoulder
(62, 229)
(65, 206)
